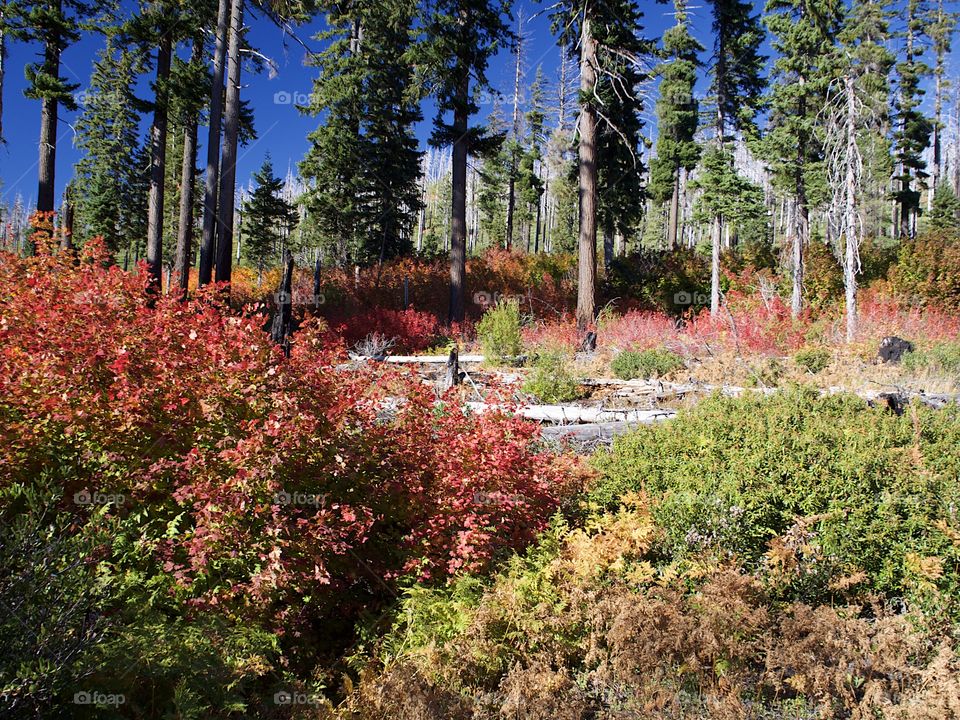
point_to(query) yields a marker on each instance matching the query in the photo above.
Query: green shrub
(940, 358)
(656, 362)
(499, 332)
(767, 373)
(731, 474)
(551, 380)
(813, 360)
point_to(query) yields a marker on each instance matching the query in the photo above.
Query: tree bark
(66, 222)
(673, 221)
(182, 262)
(48, 130)
(158, 159)
(212, 176)
(3, 62)
(228, 162)
(715, 265)
(587, 261)
(458, 221)
(512, 188)
(850, 214)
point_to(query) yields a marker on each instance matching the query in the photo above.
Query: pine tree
(736, 88)
(268, 217)
(108, 191)
(364, 163)
(610, 51)
(803, 35)
(677, 115)
(493, 185)
(530, 186)
(54, 24)
(913, 128)
(945, 212)
(458, 39)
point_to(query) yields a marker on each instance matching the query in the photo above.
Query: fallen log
(592, 432)
(570, 414)
(417, 359)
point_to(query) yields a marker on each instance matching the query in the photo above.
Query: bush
(655, 362)
(942, 358)
(499, 332)
(869, 490)
(223, 485)
(928, 269)
(813, 360)
(551, 380)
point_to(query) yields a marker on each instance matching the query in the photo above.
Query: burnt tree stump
(282, 320)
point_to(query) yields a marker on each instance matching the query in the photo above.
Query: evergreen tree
(493, 190)
(803, 35)
(268, 217)
(458, 39)
(677, 114)
(364, 162)
(913, 128)
(530, 186)
(109, 190)
(610, 49)
(945, 212)
(736, 88)
(54, 24)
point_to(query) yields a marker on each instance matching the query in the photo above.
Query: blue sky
(282, 130)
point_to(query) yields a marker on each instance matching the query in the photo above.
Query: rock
(893, 348)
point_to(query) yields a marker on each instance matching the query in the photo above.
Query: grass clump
(814, 360)
(645, 364)
(551, 380)
(499, 332)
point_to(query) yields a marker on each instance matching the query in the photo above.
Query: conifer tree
(606, 38)
(267, 218)
(677, 115)
(458, 39)
(913, 128)
(55, 25)
(803, 35)
(530, 186)
(109, 196)
(364, 163)
(736, 89)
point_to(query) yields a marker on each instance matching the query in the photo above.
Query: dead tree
(282, 320)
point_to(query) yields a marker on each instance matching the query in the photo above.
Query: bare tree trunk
(458, 218)
(715, 265)
(512, 185)
(800, 219)
(850, 213)
(158, 160)
(212, 175)
(228, 161)
(66, 221)
(184, 254)
(937, 115)
(540, 203)
(587, 263)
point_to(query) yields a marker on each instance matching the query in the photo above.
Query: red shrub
(256, 480)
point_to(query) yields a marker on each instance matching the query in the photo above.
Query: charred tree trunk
(280, 330)
(158, 159)
(587, 262)
(212, 175)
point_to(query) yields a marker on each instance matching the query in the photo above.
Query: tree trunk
(212, 176)
(937, 114)
(587, 261)
(48, 130)
(3, 62)
(850, 214)
(158, 159)
(673, 221)
(800, 219)
(187, 175)
(228, 162)
(282, 321)
(512, 188)
(715, 265)
(458, 219)
(66, 222)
